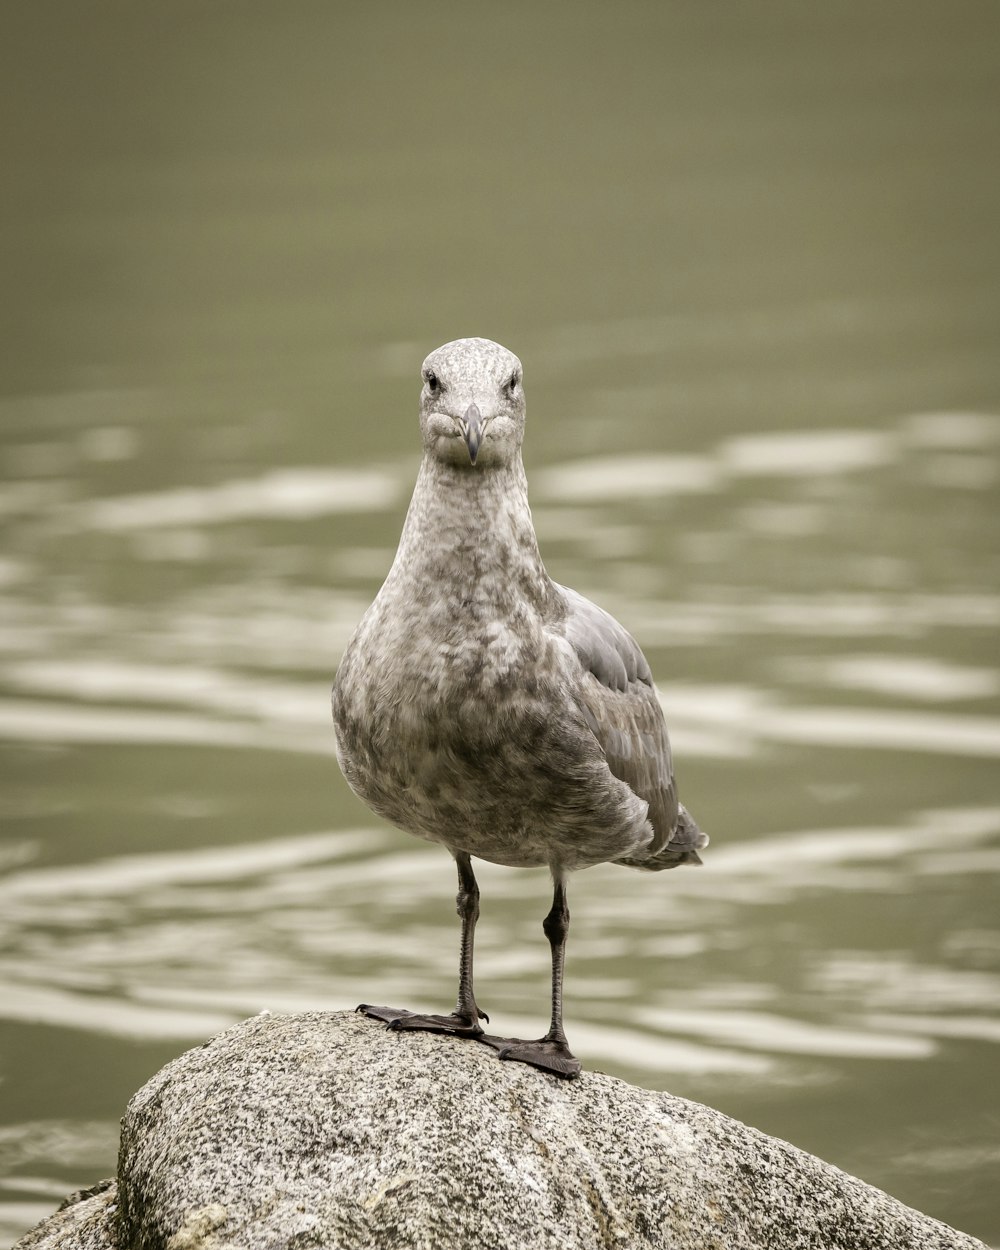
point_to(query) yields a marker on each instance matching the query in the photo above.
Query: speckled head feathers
(480, 361)
(472, 404)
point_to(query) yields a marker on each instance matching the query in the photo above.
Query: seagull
(482, 706)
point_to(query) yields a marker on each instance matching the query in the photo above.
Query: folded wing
(619, 702)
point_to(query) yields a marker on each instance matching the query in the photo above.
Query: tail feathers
(685, 843)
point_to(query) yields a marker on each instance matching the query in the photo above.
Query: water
(750, 263)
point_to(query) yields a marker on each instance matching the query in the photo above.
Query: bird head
(472, 404)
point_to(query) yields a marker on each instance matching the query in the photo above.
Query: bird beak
(473, 426)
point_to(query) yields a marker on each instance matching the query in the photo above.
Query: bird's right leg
(464, 1020)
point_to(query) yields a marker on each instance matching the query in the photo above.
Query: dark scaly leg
(464, 1020)
(551, 1052)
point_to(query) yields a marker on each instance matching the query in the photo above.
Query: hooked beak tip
(472, 425)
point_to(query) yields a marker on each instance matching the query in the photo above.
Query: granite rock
(85, 1221)
(327, 1130)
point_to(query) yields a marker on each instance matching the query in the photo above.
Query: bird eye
(433, 382)
(512, 382)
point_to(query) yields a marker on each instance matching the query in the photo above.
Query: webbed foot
(547, 1053)
(399, 1018)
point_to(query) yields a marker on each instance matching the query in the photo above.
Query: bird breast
(469, 735)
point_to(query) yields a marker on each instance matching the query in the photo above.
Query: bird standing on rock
(481, 705)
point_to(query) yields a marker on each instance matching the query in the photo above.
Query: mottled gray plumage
(480, 704)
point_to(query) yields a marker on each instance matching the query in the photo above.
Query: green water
(750, 260)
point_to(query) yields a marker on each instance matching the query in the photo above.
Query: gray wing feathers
(619, 701)
(605, 648)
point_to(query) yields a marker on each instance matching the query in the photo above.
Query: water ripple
(296, 494)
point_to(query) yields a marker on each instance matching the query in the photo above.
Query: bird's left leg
(464, 1020)
(551, 1052)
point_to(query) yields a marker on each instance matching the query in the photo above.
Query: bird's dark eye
(512, 382)
(433, 382)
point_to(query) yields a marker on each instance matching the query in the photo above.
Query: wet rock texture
(327, 1130)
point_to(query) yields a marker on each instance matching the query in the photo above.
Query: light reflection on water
(288, 494)
(146, 931)
(32, 1150)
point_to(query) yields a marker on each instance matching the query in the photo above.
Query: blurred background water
(749, 256)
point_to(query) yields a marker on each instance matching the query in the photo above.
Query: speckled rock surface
(327, 1130)
(85, 1221)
